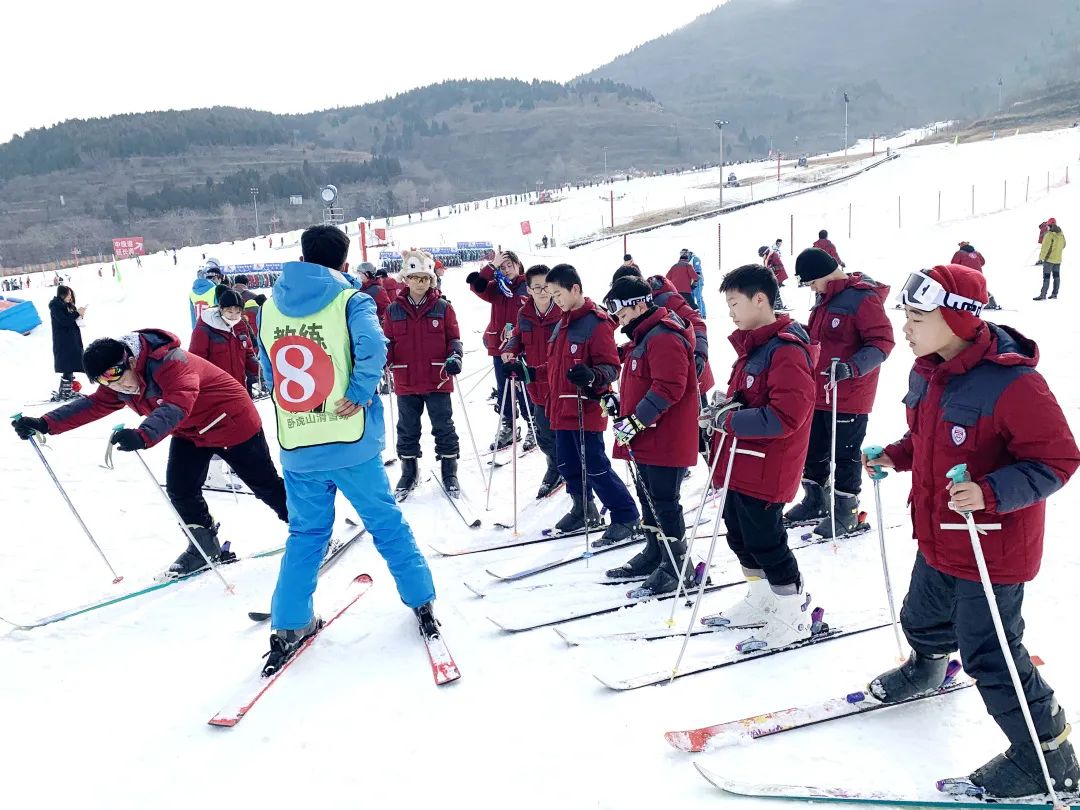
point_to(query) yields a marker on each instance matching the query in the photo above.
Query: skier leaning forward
(321, 343)
(974, 397)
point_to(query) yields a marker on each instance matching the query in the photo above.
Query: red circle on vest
(303, 373)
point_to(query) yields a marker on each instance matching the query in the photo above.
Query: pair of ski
(443, 667)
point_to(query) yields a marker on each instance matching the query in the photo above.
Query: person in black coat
(67, 340)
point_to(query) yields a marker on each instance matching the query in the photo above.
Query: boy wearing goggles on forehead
(974, 397)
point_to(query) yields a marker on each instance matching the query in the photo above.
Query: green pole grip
(958, 474)
(875, 451)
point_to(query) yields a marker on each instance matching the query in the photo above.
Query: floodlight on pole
(846, 102)
(255, 201)
(720, 126)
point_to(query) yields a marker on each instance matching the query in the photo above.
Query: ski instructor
(181, 395)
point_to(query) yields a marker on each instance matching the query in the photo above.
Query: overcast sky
(60, 61)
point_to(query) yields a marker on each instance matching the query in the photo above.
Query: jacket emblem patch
(959, 435)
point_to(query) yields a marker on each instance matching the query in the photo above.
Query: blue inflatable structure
(18, 315)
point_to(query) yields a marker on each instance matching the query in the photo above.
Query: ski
(588, 579)
(730, 656)
(108, 601)
(242, 490)
(923, 798)
(527, 508)
(735, 732)
(255, 687)
(563, 613)
(443, 668)
(402, 495)
(659, 634)
(459, 503)
(333, 554)
(496, 544)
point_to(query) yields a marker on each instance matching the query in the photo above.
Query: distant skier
(369, 283)
(825, 243)
(699, 288)
(424, 355)
(684, 277)
(770, 257)
(967, 256)
(331, 433)
(972, 393)
(1053, 246)
(203, 293)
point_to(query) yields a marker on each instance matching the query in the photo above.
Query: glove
(453, 364)
(844, 371)
(476, 281)
(581, 376)
(699, 363)
(717, 416)
(512, 368)
(610, 403)
(627, 428)
(128, 439)
(27, 426)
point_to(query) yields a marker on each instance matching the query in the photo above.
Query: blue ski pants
(603, 480)
(310, 498)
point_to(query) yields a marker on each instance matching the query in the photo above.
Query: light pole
(255, 202)
(720, 126)
(1001, 87)
(605, 164)
(846, 101)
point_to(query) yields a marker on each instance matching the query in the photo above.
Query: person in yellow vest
(203, 293)
(322, 346)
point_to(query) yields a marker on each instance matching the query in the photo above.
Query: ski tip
(475, 524)
(258, 616)
(223, 722)
(363, 579)
(681, 741)
(711, 777)
(568, 639)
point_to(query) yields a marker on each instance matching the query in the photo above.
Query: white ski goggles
(925, 294)
(615, 304)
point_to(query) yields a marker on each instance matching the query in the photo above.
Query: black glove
(512, 368)
(476, 281)
(610, 403)
(581, 376)
(844, 371)
(453, 364)
(699, 363)
(27, 426)
(128, 439)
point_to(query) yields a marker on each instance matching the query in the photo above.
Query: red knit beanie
(963, 281)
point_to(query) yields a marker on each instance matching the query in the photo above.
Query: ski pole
(959, 475)
(709, 556)
(63, 493)
(635, 470)
(832, 451)
(697, 521)
(390, 399)
(495, 445)
(584, 473)
(513, 445)
(230, 588)
(877, 477)
(468, 426)
(477, 383)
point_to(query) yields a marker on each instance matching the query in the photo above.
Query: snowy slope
(109, 710)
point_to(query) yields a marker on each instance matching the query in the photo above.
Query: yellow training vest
(312, 361)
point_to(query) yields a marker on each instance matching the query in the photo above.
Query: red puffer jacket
(583, 336)
(665, 295)
(986, 407)
(181, 394)
(421, 338)
(378, 293)
(776, 264)
(658, 386)
(230, 349)
(504, 309)
(683, 277)
(774, 379)
(828, 246)
(530, 339)
(392, 286)
(849, 322)
(968, 256)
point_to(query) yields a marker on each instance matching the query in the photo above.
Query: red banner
(380, 234)
(125, 247)
(526, 228)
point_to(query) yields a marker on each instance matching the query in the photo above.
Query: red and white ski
(255, 687)
(443, 668)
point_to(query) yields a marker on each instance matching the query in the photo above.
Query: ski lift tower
(332, 214)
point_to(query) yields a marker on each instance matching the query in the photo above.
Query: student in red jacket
(769, 406)
(657, 412)
(528, 346)
(770, 257)
(967, 256)
(825, 243)
(502, 284)
(369, 284)
(684, 277)
(848, 321)
(582, 364)
(975, 397)
(222, 337)
(180, 395)
(424, 356)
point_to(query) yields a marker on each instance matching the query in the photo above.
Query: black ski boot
(920, 673)
(618, 533)
(551, 480)
(529, 442)
(191, 560)
(810, 508)
(847, 516)
(665, 579)
(574, 520)
(429, 625)
(407, 482)
(507, 434)
(1018, 773)
(992, 304)
(449, 476)
(641, 564)
(285, 643)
